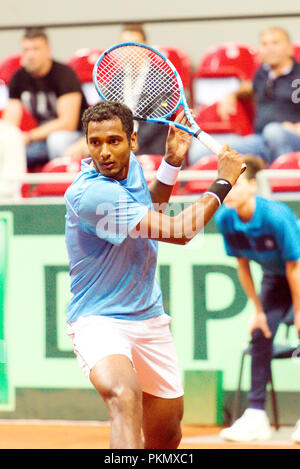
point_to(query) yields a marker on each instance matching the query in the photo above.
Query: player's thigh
(162, 417)
(114, 378)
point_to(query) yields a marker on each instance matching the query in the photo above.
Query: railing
(263, 178)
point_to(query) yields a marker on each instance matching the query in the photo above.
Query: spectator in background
(52, 93)
(266, 232)
(277, 120)
(151, 137)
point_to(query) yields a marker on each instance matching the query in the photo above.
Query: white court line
(66, 423)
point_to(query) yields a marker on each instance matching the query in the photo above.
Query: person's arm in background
(228, 105)
(291, 127)
(258, 319)
(68, 112)
(293, 278)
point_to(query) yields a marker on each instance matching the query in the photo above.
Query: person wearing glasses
(275, 92)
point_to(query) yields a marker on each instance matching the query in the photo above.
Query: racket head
(140, 77)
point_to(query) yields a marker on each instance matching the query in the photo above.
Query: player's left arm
(177, 145)
(293, 278)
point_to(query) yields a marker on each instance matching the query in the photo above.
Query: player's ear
(133, 142)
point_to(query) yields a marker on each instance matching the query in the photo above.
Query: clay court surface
(22, 434)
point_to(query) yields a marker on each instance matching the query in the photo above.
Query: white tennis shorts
(147, 343)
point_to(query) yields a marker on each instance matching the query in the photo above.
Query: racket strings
(139, 78)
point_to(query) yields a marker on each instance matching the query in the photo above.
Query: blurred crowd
(244, 97)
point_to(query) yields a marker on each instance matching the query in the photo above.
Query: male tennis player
(266, 232)
(116, 319)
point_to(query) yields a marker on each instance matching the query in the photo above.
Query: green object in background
(203, 397)
(3, 270)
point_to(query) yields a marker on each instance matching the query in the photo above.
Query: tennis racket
(147, 82)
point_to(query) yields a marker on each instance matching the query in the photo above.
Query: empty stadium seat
(209, 162)
(82, 62)
(284, 184)
(57, 165)
(239, 123)
(220, 71)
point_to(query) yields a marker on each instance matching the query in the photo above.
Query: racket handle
(212, 144)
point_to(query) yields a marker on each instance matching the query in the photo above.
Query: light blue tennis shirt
(271, 238)
(112, 273)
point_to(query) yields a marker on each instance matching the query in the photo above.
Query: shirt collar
(285, 71)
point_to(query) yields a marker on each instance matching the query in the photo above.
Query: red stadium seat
(209, 162)
(281, 184)
(221, 69)
(58, 165)
(296, 46)
(182, 63)
(210, 121)
(82, 62)
(9, 66)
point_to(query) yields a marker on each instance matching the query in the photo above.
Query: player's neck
(246, 211)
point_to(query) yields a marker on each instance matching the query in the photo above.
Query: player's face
(275, 48)
(109, 148)
(36, 54)
(241, 193)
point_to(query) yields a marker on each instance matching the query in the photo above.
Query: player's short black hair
(108, 110)
(33, 33)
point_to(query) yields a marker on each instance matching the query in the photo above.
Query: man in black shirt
(277, 104)
(52, 93)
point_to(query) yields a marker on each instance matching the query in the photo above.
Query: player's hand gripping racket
(147, 82)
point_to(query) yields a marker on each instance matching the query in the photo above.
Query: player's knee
(123, 400)
(164, 437)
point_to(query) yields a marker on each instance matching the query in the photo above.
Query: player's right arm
(258, 319)
(183, 227)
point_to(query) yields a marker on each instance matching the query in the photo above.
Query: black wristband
(219, 189)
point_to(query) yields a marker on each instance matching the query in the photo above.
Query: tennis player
(116, 319)
(267, 232)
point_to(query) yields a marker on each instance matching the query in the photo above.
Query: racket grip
(212, 144)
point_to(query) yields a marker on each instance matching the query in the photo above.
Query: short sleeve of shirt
(109, 211)
(66, 80)
(15, 86)
(287, 233)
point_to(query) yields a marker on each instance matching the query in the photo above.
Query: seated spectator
(151, 137)
(52, 93)
(277, 117)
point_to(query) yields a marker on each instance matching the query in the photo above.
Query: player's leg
(116, 381)
(162, 422)
(276, 300)
(103, 353)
